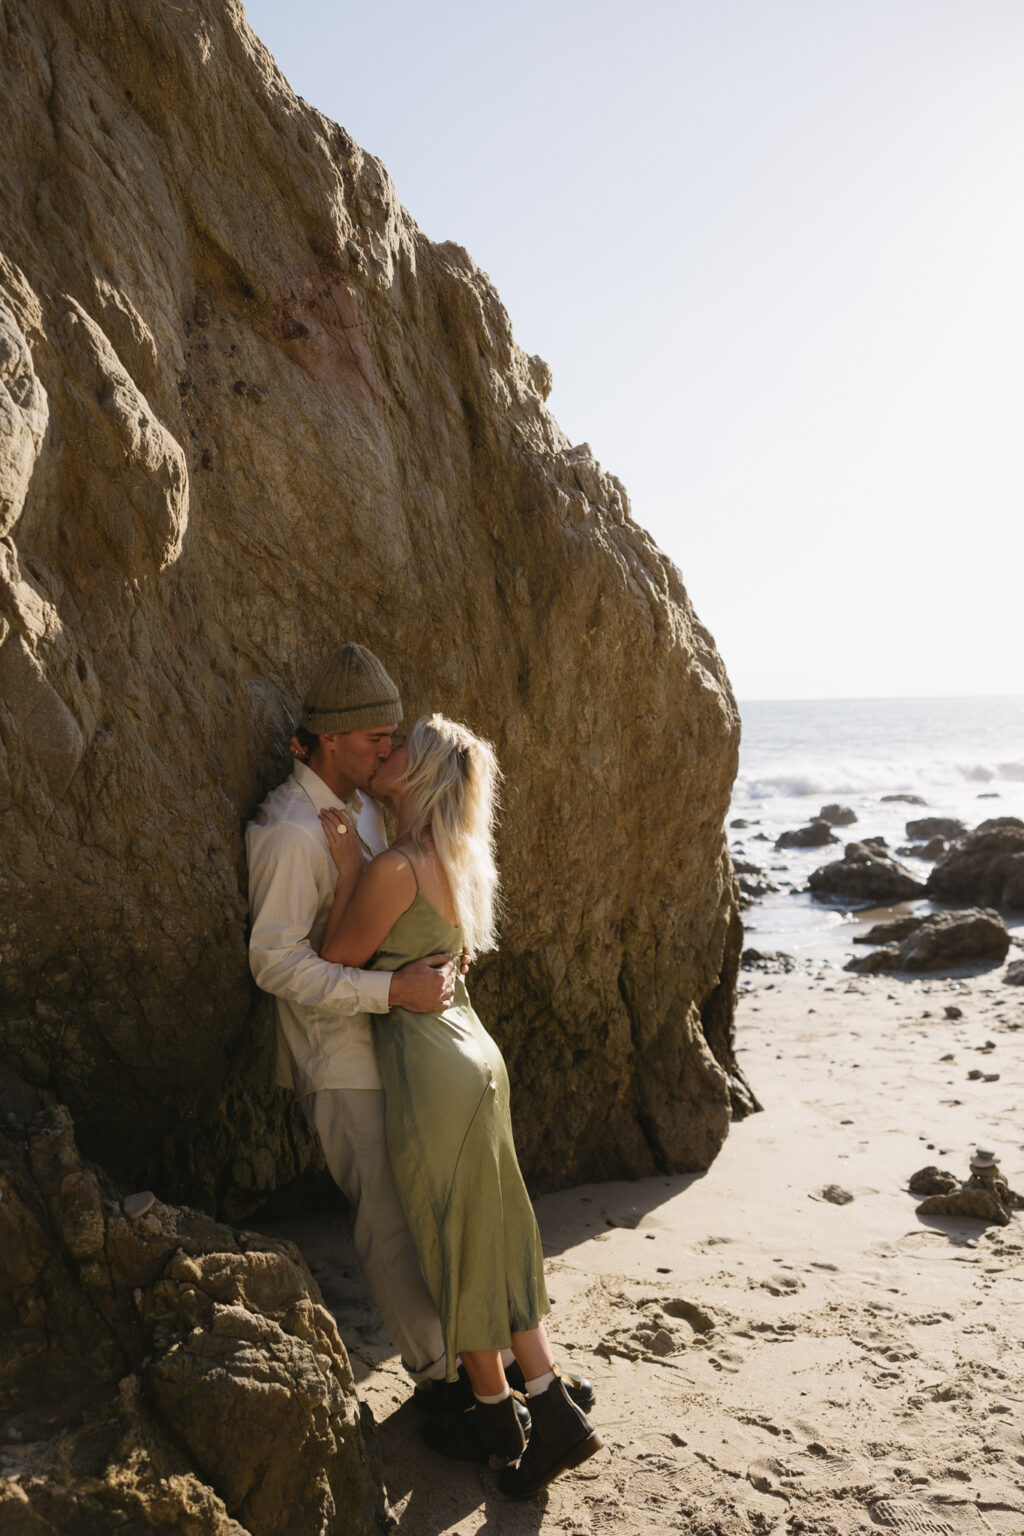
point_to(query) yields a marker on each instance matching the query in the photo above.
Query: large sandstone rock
(162, 1372)
(984, 867)
(248, 410)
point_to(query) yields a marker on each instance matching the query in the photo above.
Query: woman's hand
(342, 841)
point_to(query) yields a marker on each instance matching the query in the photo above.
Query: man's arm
(283, 898)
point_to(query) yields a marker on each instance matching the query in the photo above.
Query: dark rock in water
(1014, 974)
(934, 826)
(753, 881)
(985, 867)
(929, 851)
(815, 835)
(932, 850)
(942, 940)
(933, 1181)
(761, 837)
(769, 961)
(989, 794)
(890, 932)
(903, 799)
(169, 1373)
(865, 874)
(739, 822)
(837, 815)
(879, 844)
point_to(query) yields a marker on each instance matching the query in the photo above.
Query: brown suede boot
(561, 1437)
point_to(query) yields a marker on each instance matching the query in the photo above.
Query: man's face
(357, 755)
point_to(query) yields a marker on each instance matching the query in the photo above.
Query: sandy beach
(767, 1359)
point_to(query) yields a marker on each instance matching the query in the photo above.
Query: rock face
(985, 867)
(864, 873)
(936, 942)
(163, 1372)
(248, 411)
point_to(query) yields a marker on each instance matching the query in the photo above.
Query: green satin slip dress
(449, 1135)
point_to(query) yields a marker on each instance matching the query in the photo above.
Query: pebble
(138, 1204)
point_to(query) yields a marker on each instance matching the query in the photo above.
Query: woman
(446, 1088)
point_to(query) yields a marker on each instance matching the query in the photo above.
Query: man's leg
(350, 1125)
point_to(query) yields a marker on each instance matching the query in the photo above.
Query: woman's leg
(485, 1371)
(533, 1352)
(492, 1427)
(562, 1436)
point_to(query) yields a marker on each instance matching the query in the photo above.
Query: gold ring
(341, 829)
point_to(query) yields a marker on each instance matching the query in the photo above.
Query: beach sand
(767, 1360)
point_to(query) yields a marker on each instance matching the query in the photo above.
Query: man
(325, 1048)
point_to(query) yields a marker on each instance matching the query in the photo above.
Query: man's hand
(424, 986)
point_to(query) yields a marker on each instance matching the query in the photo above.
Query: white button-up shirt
(324, 1037)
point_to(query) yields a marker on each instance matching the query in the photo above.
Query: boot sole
(574, 1458)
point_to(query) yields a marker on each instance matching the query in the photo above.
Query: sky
(773, 251)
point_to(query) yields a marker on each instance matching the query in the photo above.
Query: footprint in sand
(778, 1284)
(907, 1517)
(655, 1334)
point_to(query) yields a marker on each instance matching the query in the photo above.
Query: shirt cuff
(374, 987)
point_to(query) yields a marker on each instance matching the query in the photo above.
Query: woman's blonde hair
(451, 781)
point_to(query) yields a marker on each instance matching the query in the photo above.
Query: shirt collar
(321, 795)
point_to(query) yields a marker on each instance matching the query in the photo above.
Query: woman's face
(391, 769)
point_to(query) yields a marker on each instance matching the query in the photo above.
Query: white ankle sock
(499, 1397)
(538, 1384)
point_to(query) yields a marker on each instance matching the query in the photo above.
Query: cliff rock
(159, 1371)
(247, 411)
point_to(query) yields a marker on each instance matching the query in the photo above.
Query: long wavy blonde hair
(451, 780)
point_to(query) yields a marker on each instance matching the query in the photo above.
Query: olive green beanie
(351, 692)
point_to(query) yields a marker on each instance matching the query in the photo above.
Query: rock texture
(865, 873)
(162, 1372)
(937, 942)
(248, 410)
(985, 867)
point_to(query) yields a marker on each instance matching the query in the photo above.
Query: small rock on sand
(835, 1194)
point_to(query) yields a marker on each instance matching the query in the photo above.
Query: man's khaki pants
(351, 1128)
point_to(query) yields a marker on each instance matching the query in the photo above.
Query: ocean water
(962, 757)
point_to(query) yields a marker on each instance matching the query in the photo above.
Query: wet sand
(769, 1362)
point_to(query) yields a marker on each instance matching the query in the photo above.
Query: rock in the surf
(984, 867)
(865, 873)
(816, 834)
(837, 815)
(925, 827)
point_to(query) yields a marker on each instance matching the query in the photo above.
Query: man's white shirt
(324, 1034)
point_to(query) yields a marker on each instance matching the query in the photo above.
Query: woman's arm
(367, 901)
